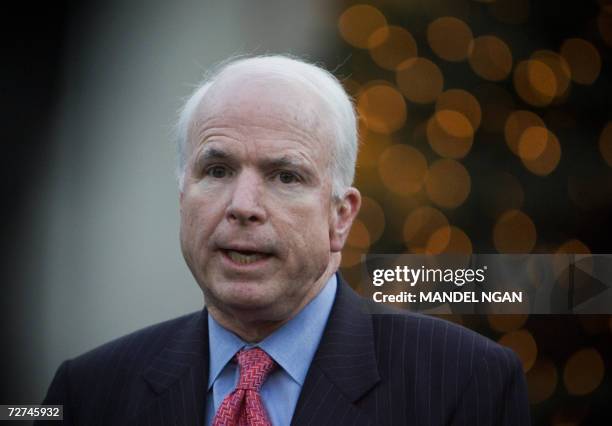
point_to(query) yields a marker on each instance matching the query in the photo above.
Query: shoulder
(440, 345)
(132, 351)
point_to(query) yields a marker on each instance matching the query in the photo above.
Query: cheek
(311, 227)
(198, 219)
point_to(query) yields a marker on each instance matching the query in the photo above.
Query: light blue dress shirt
(292, 347)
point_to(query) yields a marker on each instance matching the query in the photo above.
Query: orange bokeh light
(532, 142)
(420, 224)
(559, 67)
(583, 59)
(447, 183)
(490, 58)
(523, 343)
(391, 46)
(402, 169)
(546, 162)
(605, 143)
(449, 38)
(372, 216)
(514, 232)
(420, 80)
(542, 381)
(535, 82)
(450, 134)
(382, 108)
(359, 237)
(516, 124)
(358, 23)
(583, 372)
(449, 239)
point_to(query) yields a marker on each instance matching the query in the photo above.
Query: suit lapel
(344, 367)
(178, 377)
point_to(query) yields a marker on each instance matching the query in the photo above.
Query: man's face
(257, 218)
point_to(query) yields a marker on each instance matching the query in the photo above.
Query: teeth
(244, 259)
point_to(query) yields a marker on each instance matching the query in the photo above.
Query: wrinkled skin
(257, 183)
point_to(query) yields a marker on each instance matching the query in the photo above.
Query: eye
(218, 172)
(287, 177)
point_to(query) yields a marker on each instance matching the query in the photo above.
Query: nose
(245, 206)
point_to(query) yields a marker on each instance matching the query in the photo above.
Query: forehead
(263, 104)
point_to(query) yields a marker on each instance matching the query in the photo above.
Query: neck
(254, 326)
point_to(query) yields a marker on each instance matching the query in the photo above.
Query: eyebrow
(284, 161)
(281, 162)
(211, 153)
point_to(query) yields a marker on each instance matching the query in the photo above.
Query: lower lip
(244, 266)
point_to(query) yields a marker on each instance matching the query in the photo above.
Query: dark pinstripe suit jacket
(375, 369)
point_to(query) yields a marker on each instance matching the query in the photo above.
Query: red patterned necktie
(243, 406)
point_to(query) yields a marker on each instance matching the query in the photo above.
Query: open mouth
(245, 257)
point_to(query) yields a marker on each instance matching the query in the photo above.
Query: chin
(245, 296)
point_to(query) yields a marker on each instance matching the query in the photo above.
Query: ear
(343, 213)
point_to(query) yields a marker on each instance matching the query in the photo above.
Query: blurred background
(486, 127)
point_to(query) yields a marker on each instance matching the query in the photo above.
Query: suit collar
(187, 350)
(177, 378)
(346, 353)
(344, 368)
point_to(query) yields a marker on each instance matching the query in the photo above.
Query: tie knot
(255, 365)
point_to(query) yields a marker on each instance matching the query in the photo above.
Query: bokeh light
(523, 343)
(449, 38)
(605, 143)
(351, 256)
(359, 237)
(559, 67)
(516, 124)
(420, 80)
(549, 157)
(506, 322)
(490, 58)
(542, 379)
(535, 82)
(461, 101)
(532, 142)
(573, 246)
(583, 372)
(505, 126)
(391, 46)
(450, 134)
(382, 108)
(514, 232)
(372, 216)
(419, 225)
(358, 23)
(583, 59)
(573, 250)
(402, 169)
(448, 239)
(447, 183)
(604, 24)
(372, 146)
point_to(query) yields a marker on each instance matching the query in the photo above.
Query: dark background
(35, 39)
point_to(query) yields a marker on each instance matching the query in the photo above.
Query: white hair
(317, 81)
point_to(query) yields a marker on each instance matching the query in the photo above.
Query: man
(267, 150)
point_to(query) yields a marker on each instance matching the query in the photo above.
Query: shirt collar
(292, 346)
